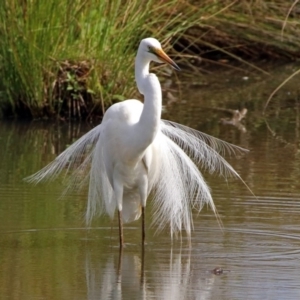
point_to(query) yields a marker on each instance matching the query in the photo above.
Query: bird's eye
(150, 49)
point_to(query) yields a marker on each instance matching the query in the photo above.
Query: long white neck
(142, 65)
(148, 84)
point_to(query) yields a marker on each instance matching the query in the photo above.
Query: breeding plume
(133, 152)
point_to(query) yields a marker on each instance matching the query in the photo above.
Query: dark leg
(143, 226)
(143, 266)
(120, 229)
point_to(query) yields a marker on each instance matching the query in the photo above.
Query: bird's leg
(118, 191)
(120, 229)
(143, 266)
(143, 227)
(143, 189)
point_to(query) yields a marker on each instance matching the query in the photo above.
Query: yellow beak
(165, 58)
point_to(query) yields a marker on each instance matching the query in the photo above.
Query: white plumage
(133, 152)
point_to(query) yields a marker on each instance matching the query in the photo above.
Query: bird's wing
(179, 187)
(204, 149)
(76, 159)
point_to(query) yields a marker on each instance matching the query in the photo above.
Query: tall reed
(60, 56)
(72, 58)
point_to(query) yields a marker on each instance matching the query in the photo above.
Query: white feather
(177, 186)
(133, 153)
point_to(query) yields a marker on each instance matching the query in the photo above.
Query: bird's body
(134, 152)
(131, 162)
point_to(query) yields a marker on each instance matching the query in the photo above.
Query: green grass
(71, 59)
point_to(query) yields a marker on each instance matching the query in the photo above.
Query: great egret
(133, 152)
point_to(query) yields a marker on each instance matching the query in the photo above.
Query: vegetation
(71, 59)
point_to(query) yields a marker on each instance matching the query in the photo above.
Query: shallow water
(48, 253)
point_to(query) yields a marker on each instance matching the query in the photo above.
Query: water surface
(48, 253)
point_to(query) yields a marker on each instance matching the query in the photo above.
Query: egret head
(151, 48)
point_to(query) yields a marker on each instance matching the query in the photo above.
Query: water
(48, 253)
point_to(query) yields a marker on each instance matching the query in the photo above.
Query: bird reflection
(131, 276)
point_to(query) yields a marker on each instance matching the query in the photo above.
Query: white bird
(133, 152)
